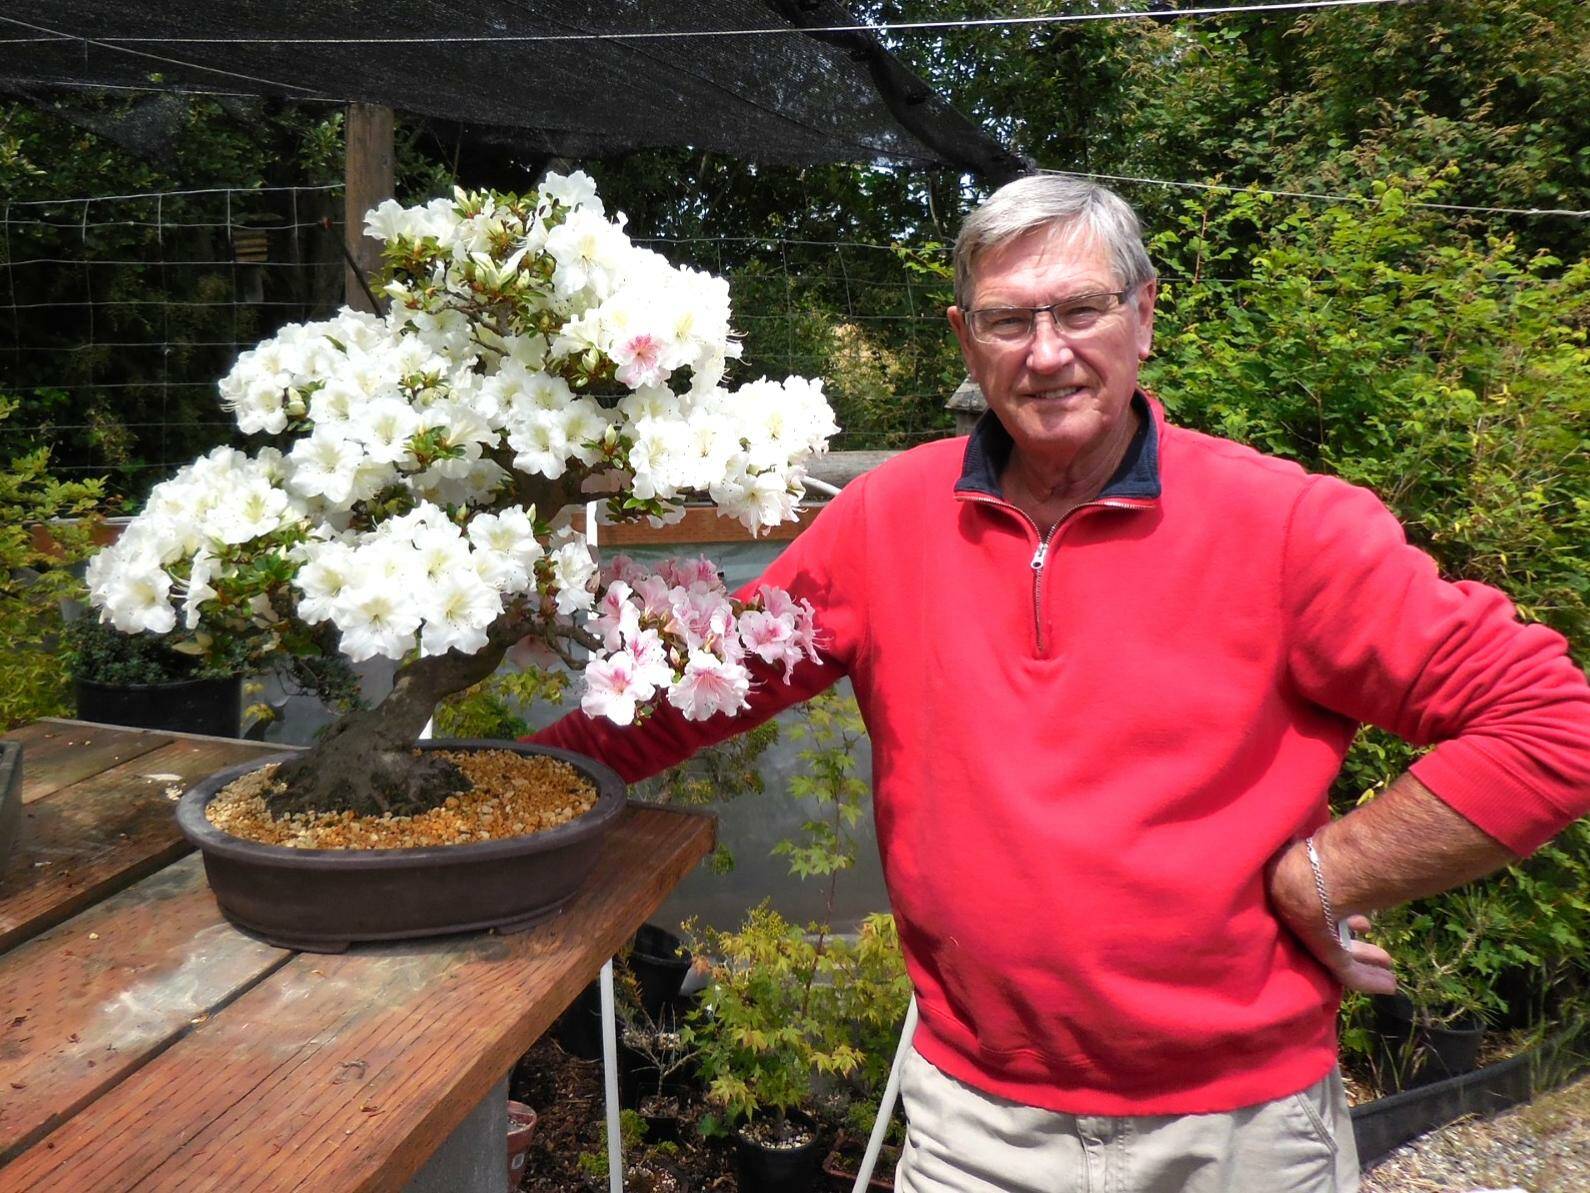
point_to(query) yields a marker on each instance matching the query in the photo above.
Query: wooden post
(968, 404)
(370, 181)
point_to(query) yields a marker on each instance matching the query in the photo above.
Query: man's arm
(826, 565)
(1378, 637)
(1404, 844)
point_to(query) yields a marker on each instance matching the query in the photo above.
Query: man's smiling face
(1057, 393)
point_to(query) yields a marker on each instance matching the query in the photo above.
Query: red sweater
(1085, 753)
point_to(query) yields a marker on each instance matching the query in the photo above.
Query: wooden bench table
(147, 1044)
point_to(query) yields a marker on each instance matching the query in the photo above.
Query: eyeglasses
(1072, 317)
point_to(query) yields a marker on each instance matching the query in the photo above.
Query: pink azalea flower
(651, 658)
(709, 685)
(616, 615)
(772, 639)
(699, 616)
(656, 599)
(691, 573)
(613, 687)
(622, 567)
(640, 361)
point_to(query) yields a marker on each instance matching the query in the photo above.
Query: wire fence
(119, 313)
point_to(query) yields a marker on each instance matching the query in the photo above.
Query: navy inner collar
(988, 451)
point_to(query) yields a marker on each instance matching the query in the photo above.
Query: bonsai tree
(412, 499)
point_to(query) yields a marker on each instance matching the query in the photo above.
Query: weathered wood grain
(346, 1072)
(56, 754)
(93, 1000)
(83, 842)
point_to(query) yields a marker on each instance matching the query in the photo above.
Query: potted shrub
(646, 1169)
(1447, 958)
(768, 1025)
(657, 1068)
(147, 681)
(415, 503)
(46, 528)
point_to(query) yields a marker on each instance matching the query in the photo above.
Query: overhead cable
(122, 49)
(665, 34)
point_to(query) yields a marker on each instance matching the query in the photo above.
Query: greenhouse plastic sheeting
(767, 87)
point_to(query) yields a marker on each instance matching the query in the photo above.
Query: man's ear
(958, 322)
(1144, 300)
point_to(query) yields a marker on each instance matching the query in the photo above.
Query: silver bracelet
(1319, 885)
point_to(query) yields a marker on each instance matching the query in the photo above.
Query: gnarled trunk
(366, 762)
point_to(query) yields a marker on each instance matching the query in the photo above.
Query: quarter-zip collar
(1137, 476)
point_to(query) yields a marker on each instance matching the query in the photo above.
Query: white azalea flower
(458, 607)
(376, 619)
(573, 569)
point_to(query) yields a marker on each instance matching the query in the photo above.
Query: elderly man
(1110, 668)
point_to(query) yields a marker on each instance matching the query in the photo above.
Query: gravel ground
(1541, 1147)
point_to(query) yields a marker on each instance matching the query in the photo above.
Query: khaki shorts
(960, 1140)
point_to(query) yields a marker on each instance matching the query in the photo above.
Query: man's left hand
(1361, 965)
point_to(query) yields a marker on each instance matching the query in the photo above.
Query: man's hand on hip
(1403, 844)
(1293, 894)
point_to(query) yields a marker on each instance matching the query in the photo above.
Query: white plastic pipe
(891, 1092)
(615, 1142)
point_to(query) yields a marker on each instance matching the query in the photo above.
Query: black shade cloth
(790, 98)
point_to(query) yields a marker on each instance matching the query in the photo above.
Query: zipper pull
(1040, 554)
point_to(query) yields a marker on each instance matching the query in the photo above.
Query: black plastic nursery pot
(10, 799)
(211, 706)
(1410, 1053)
(321, 900)
(761, 1168)
(659, 970)
(659, 961)
(640, 1076)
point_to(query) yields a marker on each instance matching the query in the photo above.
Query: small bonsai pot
(10, 799)
(773, 1156)
(521, 1131)
(1411, 1053)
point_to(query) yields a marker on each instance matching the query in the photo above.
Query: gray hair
(1062, 200)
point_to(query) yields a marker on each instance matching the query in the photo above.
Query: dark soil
(567, 1097)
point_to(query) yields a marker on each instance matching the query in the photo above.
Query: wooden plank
(701, 524)
(56, 754)
(104, 833)
(346, 1072)
(93, 1000)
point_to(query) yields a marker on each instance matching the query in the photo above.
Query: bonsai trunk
(366, 763)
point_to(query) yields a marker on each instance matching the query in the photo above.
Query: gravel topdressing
(512, 795)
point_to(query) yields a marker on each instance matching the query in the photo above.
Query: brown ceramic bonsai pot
(321, 900)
